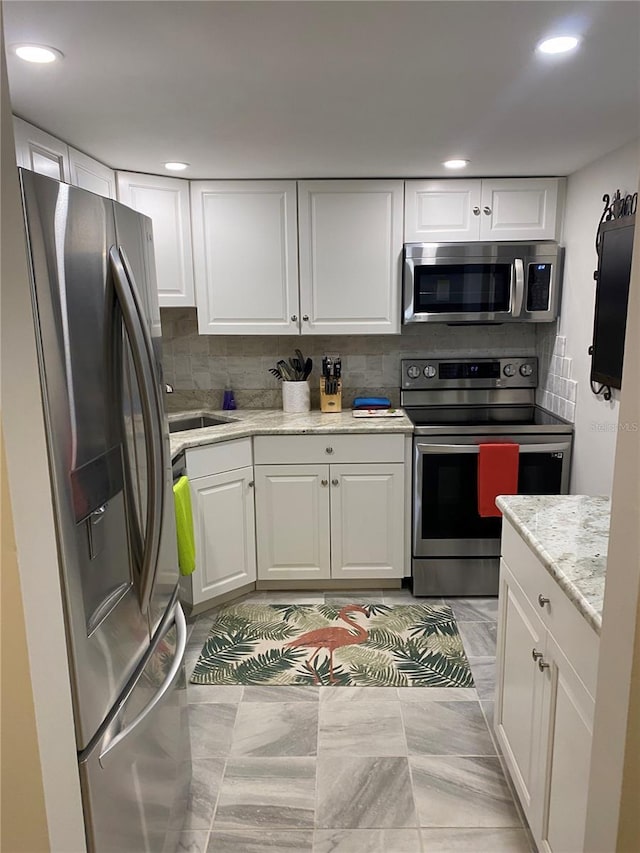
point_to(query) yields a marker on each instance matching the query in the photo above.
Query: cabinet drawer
(572, 632)
(301, 449)
(218, 458)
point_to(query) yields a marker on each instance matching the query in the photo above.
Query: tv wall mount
(614, 208)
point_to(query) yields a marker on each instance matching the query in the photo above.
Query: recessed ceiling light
(558, 44)
(37, 53)
(175, 167)
(455, 164)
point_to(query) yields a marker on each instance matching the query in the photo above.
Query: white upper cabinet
(245, 257)
(441, 211)
(41, 152)
(166, 202)
(524, 209)
(89, 174)
(502, 209)
(350, 243)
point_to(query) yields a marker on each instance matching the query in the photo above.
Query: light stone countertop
(570, 535)
(247, 422)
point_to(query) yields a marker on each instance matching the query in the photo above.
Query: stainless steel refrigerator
(97, 328)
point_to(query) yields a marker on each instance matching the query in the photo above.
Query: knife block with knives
(331, 384)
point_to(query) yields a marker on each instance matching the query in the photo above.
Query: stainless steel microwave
(481, 282)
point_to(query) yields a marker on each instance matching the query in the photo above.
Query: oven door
(446, 522)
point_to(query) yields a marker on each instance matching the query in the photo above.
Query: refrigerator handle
(167, 684)
(142, 355)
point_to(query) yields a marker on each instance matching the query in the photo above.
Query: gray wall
(199, 366)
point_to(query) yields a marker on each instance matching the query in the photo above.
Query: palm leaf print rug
(372, 645)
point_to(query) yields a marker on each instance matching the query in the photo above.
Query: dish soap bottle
(228, 400)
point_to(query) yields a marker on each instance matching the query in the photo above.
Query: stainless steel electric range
(457, 404)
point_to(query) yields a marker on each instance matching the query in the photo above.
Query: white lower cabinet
(567, 725)
(544, 701)
(342, 521)
(292, 514)
(224, 523)
(367, 519)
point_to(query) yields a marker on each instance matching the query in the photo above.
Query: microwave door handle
(517, 281)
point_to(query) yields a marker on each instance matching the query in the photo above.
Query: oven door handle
(475, 448)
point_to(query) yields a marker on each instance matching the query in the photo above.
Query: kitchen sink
(196, 422)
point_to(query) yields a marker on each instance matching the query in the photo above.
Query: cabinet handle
(294, 318)
(324, 482)
(251, 483)
(542, 600)
(487, 209)
(535, 654)
(542, 665)
(329, 450)
(476, 211)
(335, 482)
(305, 317)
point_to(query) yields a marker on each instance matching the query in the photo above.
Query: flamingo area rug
(364, 645)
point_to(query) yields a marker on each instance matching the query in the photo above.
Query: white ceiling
(331, 89)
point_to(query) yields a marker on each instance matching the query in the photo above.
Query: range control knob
(526, 369)
(413, 371)
(509, 370)
(430, 371)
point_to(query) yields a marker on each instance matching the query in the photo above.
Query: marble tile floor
(351, 770)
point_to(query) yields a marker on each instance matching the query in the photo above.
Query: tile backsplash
(200, 366)
(557, 391)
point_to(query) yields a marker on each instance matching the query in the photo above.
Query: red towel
(497, 475)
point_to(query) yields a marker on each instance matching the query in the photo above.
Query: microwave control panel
(539, 287)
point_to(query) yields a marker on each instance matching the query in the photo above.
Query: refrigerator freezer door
(79, 335)
(135, 238)
(137, 774)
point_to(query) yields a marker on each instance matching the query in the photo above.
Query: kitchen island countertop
(243, 423)
(569, 534)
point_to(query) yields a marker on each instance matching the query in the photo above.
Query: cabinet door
(519, 689)
(41, 152)
(166, 202)
(367, 521)
(292, 522)
(565, 755)
(224, 524)
(350, 256)
(245, 257)
(89, 174)
(525, 209)
(441, 211)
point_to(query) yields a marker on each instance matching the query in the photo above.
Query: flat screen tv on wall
(615, 240)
